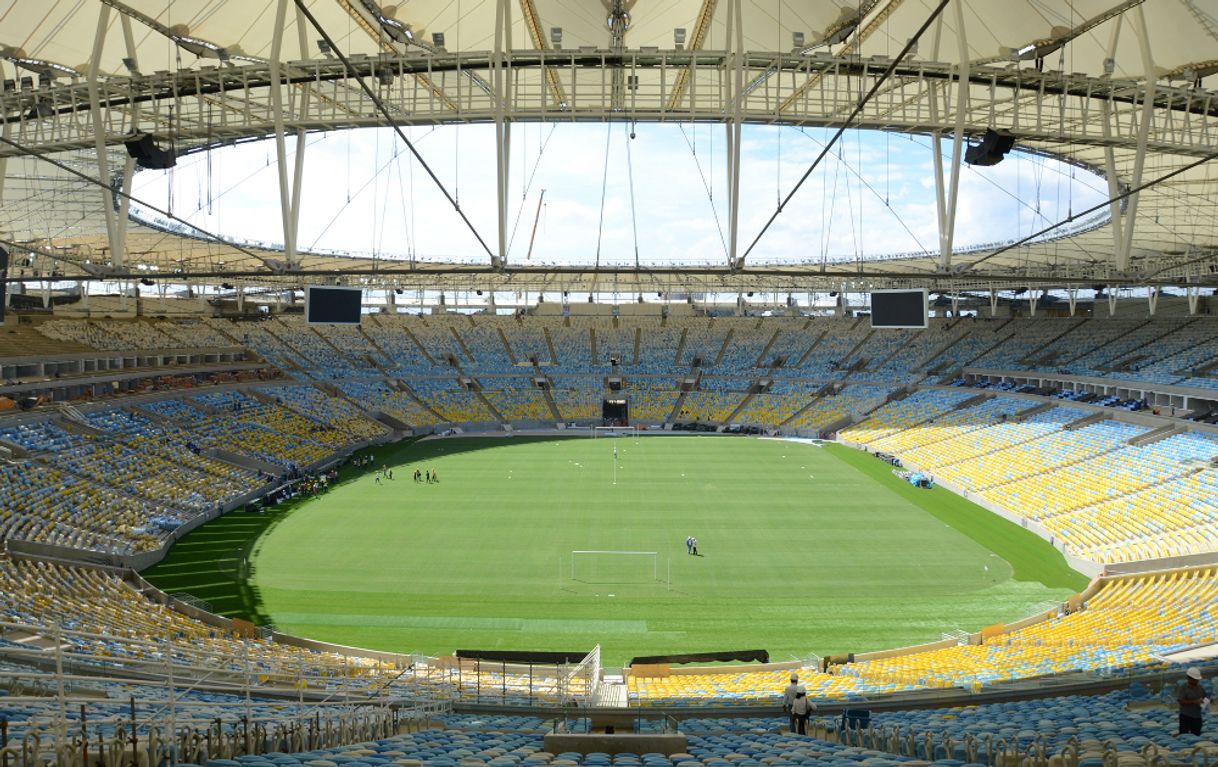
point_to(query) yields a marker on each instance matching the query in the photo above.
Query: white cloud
(872, 194)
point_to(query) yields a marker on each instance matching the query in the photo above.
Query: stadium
(529, 382)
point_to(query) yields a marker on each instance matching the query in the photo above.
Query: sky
(660, 197)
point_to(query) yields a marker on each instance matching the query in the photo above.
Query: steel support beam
(948, 193)
(281, 160)
(735, 27)
(500, 75)
(1114, 182)
(947, 206)
(113, 234)
(302, 41)
(1139, 161)
(124, 202)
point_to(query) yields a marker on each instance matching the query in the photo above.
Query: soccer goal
(616, 567)
(615, 431)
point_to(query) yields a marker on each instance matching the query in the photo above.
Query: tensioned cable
(528, 186)
(710, 192)
(376, 171)
(380, 105)
(600, 227)
(1101, 206)
(84, 176)
(884, 199)
(892, 66)
(634, 223)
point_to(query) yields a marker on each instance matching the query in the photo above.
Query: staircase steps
(550, 345)
(761, 357)
(676, 360)
(461, 342)
(854, 349)
(727, 341)
(804, 356)
(419, 345)
(1156, 435)
(372, 342)
(815, 398)
(1024, 415)
(545, 391)
(491, 408)
(676, 408)
(507, 347)
(1032, 359)
(404, 387)
(743, 403)
(1086, 420)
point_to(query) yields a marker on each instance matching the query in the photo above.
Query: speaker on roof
(993, 147)
(148, 155)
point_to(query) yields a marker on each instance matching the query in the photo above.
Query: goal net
(615, 431)
(615, 566)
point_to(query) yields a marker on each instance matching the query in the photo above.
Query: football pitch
(802, 549)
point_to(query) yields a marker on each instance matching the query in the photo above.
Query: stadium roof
(1124, 88)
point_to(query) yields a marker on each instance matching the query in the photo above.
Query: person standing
(801, 709)
(788, 698)
(1192, 697)
(695, 546)
(689, 544)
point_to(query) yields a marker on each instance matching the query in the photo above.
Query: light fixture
(323, 46)
(678, 38)
(1038, 49)
(556, 37)
(797, 39)
(437, 39)
(397, 30)
(131, 66)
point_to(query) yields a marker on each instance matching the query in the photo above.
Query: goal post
(615, 431)
(602, 566)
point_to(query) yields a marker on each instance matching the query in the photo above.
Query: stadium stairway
(820, 394)
(611, 692)
(545, 332)
(406, 389)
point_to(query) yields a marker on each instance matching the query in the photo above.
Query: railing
(144, 737)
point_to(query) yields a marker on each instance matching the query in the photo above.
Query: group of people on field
(429, 476)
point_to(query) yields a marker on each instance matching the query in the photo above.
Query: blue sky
(364, 193)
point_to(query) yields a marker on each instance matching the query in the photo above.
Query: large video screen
(898, 309)
(333, 306)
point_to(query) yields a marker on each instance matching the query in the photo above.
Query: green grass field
(805, 549)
